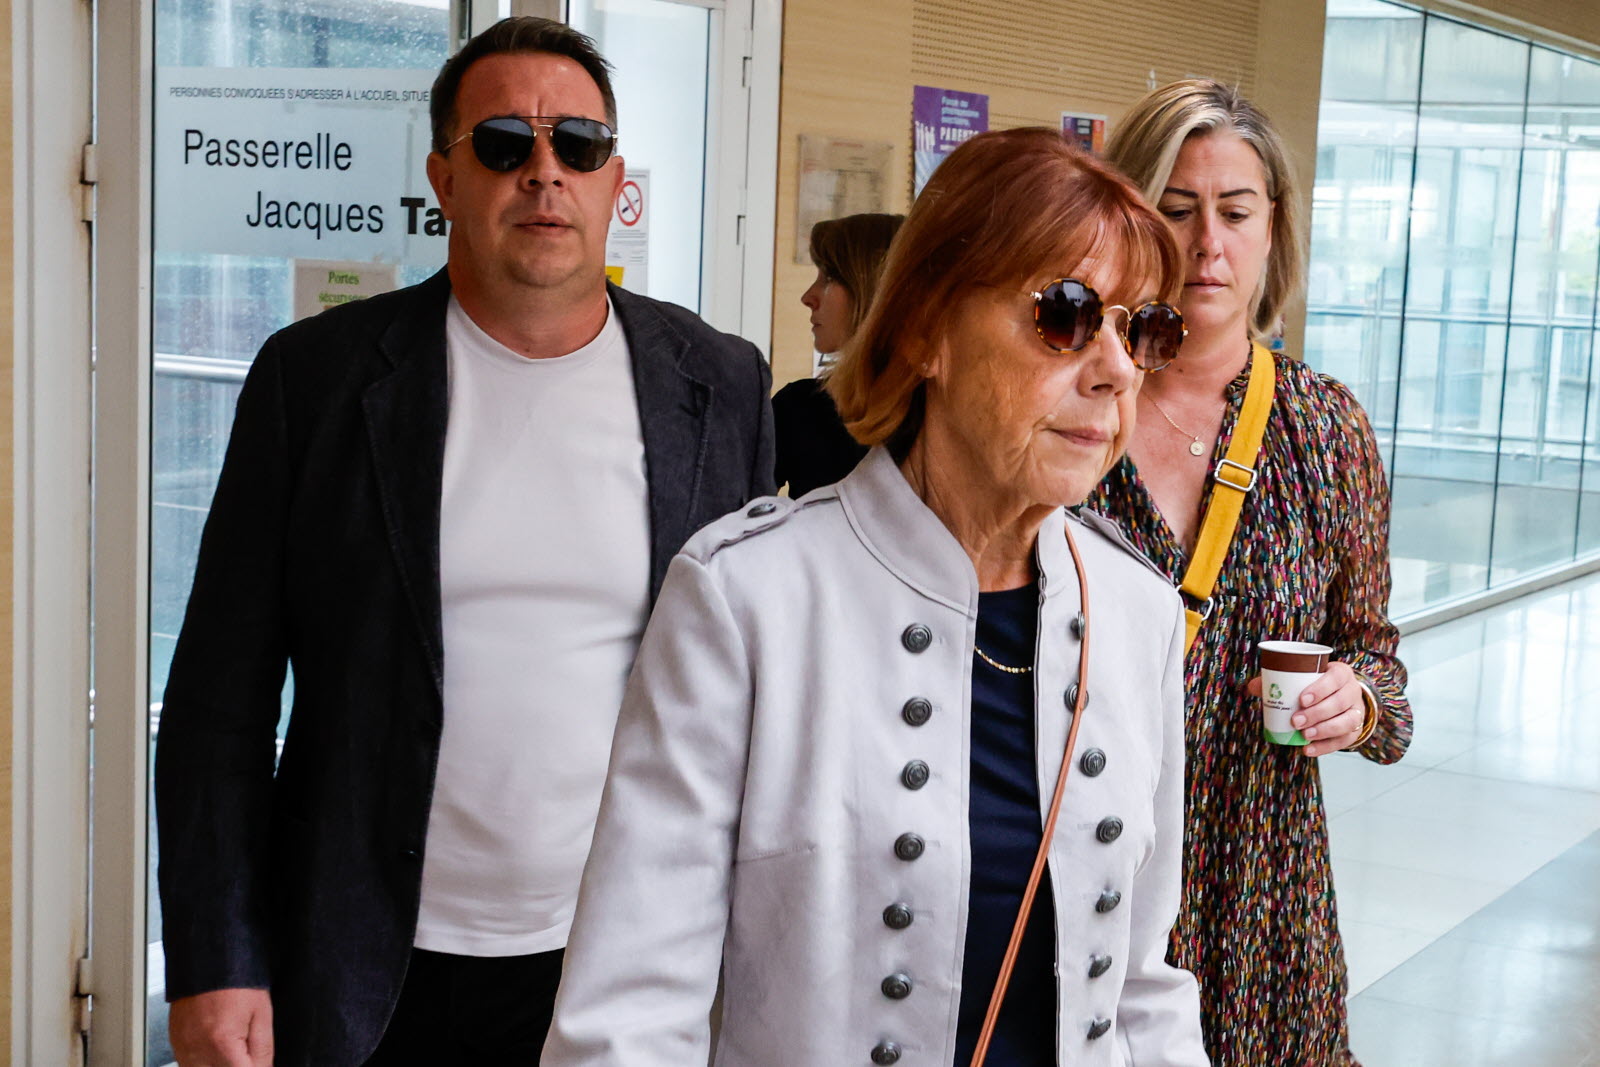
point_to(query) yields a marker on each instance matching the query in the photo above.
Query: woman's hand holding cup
(1331, 711)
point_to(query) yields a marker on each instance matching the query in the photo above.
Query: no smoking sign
(628, 242)
(630, 204)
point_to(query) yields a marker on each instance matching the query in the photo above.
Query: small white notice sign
(320, 284)
(628, 242)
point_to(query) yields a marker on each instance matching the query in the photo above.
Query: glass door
(289, 139)
(1453, 286)
(661, 52)
(281, 148)
(696, 83)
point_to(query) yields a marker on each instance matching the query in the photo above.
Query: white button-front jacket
(759, 822)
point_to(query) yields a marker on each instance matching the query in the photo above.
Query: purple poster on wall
(940, 120)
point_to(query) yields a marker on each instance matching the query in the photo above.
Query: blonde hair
(1005, 205)
(1145, 146)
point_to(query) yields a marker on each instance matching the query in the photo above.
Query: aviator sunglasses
(1068, 315)
(505, 143)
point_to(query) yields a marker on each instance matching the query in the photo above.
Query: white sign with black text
(300, 163)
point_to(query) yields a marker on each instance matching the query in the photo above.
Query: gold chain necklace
(1000, 666)
(1196, 448)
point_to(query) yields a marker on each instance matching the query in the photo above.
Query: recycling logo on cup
(1275, 691)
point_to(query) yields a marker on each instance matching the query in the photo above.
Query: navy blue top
(811, 447)
(1006, 824)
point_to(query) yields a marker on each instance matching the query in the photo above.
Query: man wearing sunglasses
(448, 509)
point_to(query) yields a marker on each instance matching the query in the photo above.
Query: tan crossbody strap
(1235, 477)
(1009, 962)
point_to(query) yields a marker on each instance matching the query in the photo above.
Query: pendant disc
(1197, 449)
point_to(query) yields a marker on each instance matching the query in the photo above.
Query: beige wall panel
(846, 73)
(849, 68)
(1289, 89)
(1569, 24)
(1089, 51)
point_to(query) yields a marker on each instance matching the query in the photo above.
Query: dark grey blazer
(321, 552)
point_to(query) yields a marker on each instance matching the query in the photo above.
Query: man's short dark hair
(523, 33)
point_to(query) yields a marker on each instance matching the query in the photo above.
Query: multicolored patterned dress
(1309, 561)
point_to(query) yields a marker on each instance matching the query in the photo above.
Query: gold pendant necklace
(999, 666)
(1196, 448)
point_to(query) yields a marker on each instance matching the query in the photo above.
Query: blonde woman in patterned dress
(1309, 561)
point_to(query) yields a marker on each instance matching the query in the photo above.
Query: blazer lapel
(673, 407)
(406, 412)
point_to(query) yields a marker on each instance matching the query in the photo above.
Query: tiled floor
(1468, 874)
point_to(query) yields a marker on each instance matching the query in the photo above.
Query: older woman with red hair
(902, 762)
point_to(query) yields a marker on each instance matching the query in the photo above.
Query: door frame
(742, 173)
(52, 78)
(741, 193)
(120, 498)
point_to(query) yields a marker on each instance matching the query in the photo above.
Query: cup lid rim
(1298, 648)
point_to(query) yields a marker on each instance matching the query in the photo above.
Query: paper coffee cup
(1287, 667)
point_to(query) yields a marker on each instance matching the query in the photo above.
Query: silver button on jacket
(786, 804)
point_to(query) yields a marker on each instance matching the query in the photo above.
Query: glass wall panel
(1589, 499)
(1455, 255)
(1361, 199)
(1553, 304)
(1565, 100)
(1458, 293)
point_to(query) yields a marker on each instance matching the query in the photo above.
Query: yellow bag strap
(1235, 477)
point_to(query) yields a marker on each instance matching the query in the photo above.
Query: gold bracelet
(1370, 723)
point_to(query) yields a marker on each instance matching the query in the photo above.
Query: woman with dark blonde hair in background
(813, 447)
(1232, 425)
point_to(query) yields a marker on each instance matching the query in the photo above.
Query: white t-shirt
(544, 570)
